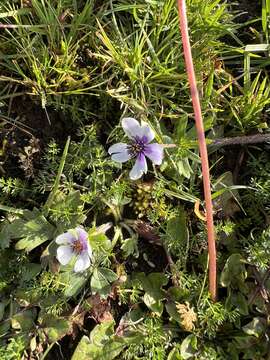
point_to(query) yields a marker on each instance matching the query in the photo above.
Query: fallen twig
(242, 140)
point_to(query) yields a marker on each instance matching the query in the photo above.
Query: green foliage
(46, 39)
(247, 108)
(176, 235)
(12, 187)
(234, 271)
(101, 344)
(90, 63)
(258, 250)
(66, 210)
(52, 328)
(265, 18)
(13, 350)
(215, 315)
(152, 286)
(188, 347)
(101, 279)
(152, 343)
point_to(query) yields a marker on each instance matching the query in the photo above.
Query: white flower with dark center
(74, 243)
(139, 147)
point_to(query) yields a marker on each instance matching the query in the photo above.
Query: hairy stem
(202, 146)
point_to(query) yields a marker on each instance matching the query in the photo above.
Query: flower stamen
(77, 246)
(137, 147)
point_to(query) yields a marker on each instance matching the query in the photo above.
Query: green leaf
(101, 345)
(244, 342)
(153, 304)
(175, 354)
(101, 279)
(256, 327)
(130, 246)
(30, 271)
(102, 333)
(2, 309)
(5, 236)
(85, 350)
(14, 13)
(33, 229)
(189, 347)
(184, 167)
(181, 127)
(154, 294)
(176, 232)
(238, 301)
(176, 293)
(99, 242)
(4, 327)
(74, 282)
(234, 270)
(53, 328)
(24, 320)
(172, 311)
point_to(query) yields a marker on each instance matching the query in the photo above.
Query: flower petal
(120, 152)
(82, 263)
(117, 148)
(139, 168)
(154, 152)
(132, 127)
(121, 157)
(64, 254)
(147, 133)
(64, 239)
(82, 234)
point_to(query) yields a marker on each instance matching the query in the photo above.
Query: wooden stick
(230, 141)
(242, 140)
(183, 23)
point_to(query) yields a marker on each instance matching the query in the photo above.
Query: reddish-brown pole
(202, 146)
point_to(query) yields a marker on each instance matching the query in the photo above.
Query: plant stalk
(183, 23)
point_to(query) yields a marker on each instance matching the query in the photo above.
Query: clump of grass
(140, 49)
(42, 53)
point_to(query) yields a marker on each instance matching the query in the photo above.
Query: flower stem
(183, 23)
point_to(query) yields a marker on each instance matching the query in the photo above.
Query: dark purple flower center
(137, 146)
(79, 246)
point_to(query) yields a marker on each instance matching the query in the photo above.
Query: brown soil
(250, 8)
(33, 127)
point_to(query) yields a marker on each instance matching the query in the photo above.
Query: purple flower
(139, 147)
(74, 243)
